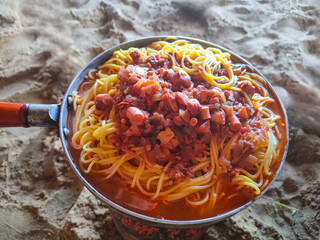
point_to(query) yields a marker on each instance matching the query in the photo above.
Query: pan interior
(99, 60)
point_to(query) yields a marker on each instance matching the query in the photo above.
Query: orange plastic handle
(13, 114)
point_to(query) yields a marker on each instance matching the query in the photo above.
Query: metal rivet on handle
(69, 100)
(65, 131)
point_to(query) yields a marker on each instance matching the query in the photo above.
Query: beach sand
(43, 44)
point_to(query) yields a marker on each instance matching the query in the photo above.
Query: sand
(44, 43)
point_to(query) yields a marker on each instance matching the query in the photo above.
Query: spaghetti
(178, 122)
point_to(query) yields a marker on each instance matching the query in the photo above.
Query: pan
(131, 225)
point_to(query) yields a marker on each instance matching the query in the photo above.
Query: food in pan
(177, 130)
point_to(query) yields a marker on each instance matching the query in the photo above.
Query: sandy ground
(44, 43)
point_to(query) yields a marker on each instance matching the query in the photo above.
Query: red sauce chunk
(103, 101)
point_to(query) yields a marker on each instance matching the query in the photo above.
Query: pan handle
(29, 115)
